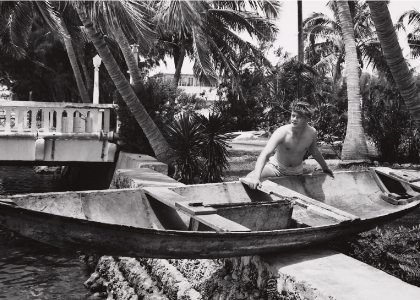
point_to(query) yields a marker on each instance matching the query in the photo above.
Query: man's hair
(303, 109)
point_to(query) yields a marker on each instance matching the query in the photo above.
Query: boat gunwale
(67, 219)
(399, 209)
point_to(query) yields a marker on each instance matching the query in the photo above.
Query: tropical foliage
(209, 33)
(200, 147)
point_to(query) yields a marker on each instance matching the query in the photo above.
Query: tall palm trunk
(130, 60)
(87, 76)
(73, 61)
(178, 64)
(158, 143)
(354, 147)
(394, 58)
(300, 47)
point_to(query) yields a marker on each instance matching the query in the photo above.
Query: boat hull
(93, 237)
(131, 225)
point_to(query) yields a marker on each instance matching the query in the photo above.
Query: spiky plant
(186, 138)
(214, 152)
(200, 147)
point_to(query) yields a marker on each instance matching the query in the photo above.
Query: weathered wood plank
(306, 202)
(8, 201)
(219, 223)
(194, 208)
(164, 195)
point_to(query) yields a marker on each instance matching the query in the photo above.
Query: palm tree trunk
(73, 61)
(354, 147)
(178, 64)
(158, 143)
(300, 47)
(87, 75)
(394, 58)
(130, 60)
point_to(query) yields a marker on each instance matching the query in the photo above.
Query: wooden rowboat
(214, 220)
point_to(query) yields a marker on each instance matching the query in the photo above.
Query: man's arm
(316, 154)
(255, 180)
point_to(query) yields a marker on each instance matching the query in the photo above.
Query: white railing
(20, 118)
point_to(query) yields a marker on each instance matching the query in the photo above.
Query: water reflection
(28, 269)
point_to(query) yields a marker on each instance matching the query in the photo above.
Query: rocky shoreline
(234, 278)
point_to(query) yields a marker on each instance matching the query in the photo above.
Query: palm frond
(203, 64)
(179, 16)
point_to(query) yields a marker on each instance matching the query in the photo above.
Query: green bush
(240, 115)
(199, 147)
(388, 124)
(162, 102)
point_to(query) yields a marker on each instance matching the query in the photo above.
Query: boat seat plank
(219, 223)
(195, 208)
(310, 204)
(400, 175)
(212, 220)
(407, 180)
(164, 195)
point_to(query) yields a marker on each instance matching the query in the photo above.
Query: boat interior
(289, 202)
(281, 203)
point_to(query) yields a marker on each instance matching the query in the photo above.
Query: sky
(287, 24)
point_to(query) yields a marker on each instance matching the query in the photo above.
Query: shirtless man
(290, 143)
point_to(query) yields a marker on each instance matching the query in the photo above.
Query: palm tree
(354, 146)
(18, 17)
(300, 43)
(394, 57)
(326, 50)
(74, 63)
(208, 31)
(414, 36)
(158, 143)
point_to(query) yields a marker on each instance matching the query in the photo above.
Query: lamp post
(135, 51)
(96, 63)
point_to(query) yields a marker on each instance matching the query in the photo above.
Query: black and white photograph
(210, 150)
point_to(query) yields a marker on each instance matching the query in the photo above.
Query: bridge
(51, 133)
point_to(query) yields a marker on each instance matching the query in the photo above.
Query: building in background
(191, 85)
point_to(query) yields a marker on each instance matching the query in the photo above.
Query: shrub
(162, 102)
(214, 152)
(240, 115)
(199, 146)
(389, 126)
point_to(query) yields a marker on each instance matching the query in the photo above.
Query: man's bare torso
(293, 144)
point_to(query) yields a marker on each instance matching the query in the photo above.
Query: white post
(96, 63)
(135, 51)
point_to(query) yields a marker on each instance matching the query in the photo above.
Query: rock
(396, 166)
(245, 136)
(47, 170)
(376, 163)
(386, 164)
(92, 279)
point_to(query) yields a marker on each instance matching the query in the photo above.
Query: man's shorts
(281, 170)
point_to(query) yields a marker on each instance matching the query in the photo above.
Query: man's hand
(329, 172)
(254, 183)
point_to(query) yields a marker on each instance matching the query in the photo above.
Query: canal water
(31, 270)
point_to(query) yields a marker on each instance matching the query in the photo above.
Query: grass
(241, 163)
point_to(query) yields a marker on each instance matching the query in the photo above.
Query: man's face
(297, 120)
